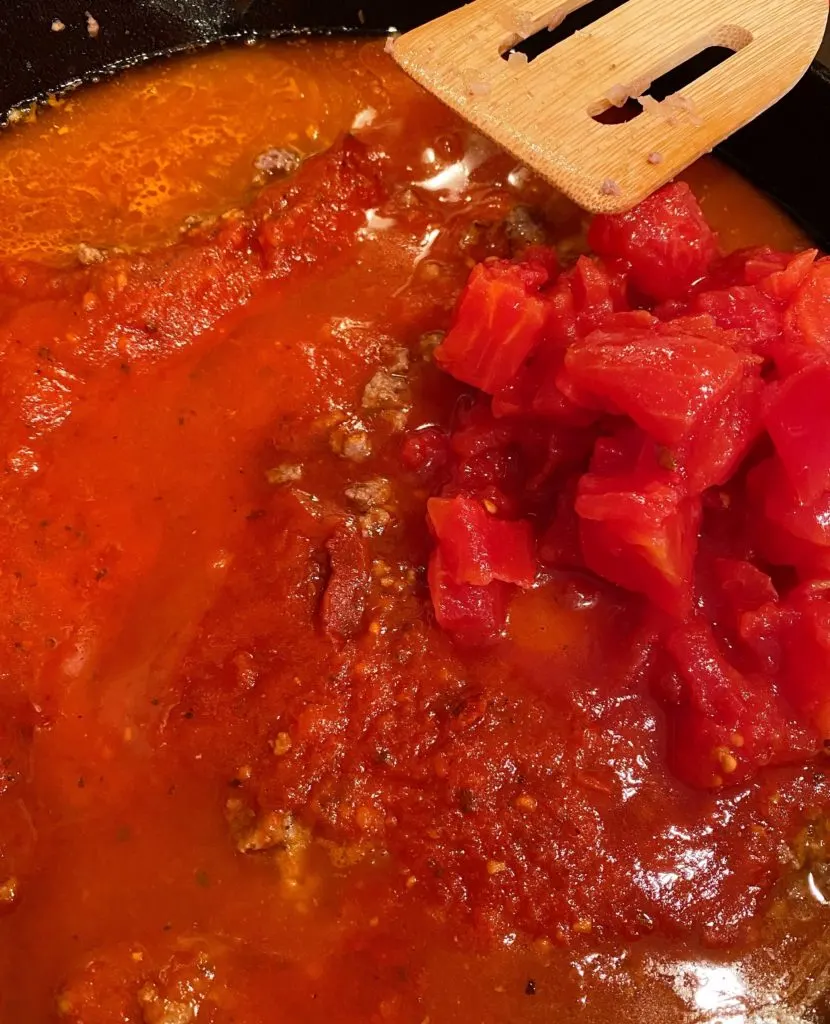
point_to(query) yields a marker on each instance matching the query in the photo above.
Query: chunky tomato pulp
(247, 776)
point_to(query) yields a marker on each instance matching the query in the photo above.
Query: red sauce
(245, 774)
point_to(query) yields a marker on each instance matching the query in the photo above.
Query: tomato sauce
(245, 775)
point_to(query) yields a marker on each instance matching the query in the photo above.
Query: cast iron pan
(785, 152)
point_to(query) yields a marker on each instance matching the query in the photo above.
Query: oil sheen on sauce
(162, 661)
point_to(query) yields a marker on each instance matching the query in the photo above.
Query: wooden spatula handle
(542, 111)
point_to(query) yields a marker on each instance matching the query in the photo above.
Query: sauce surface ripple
(216, 800)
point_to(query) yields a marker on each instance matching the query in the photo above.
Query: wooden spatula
(544, 111)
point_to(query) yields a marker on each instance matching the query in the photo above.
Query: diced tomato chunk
(733, 267)
(665, 380)
(782, 282)
(542, 259)
(788, 531)
(723, 437)
(425, 451)
(776, 274)
(484, 455)
(477, 548)
(498, 322)
(559, 544)
(743, 585)
(745, 309)
(742, 604)
(806, 673)
(734, 352)
(581, 299)
(474, 615)
(724, 725)
(535, 392)
(665, 240)
(624, 452)
(807, 334)
(476, 430)
(798, 421)
(638, 528)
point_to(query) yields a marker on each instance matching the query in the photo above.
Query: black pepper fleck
(530, 987)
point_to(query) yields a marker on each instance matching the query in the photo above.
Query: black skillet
(785, 152)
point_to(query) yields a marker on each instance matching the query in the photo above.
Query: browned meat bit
(281, 744)
(396, 419)
(370, 493)
(387, 393)
(351, 441)
(284, 473)
(356, 446)
(347, 590)
(277, 162)
(119, 984)
(386, 390)
(58, 25)
(370, 496)
(176, 996)
(483, 238)
(408, 199)
(394, 579)
(195, 221)
(8, 894)
(523, 229)
(106, 988)
(275, 832)
(398, 361)
(429, 342)
(380, 569)
(88, 255)
(253, 832)
(155, 1009)
(374, 522)
(92, 26)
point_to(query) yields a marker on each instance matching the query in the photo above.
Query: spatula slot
(619, 109)
(542, 41)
